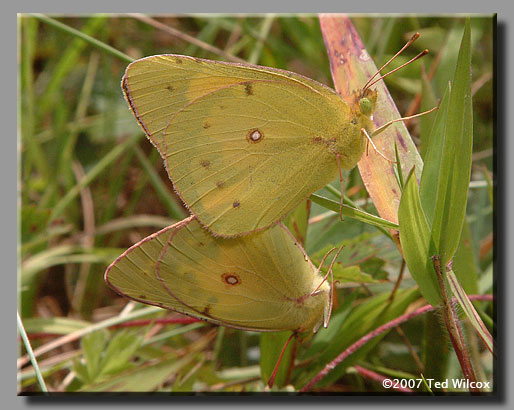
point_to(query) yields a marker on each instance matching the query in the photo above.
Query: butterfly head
(366, 100)
(351, 143)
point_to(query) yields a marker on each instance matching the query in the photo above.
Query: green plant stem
(452, 325)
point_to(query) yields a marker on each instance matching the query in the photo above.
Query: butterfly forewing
(242, 144)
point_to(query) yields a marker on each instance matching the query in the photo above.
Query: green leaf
(93, 346)
(464, 262)
(120, 350)
(433, 156)
(428, 101)
(416, 241)
(361, 320)
(455, 171)
(271, 345)
(357, 261)
(353, 212)
(351, 274)
(145, 378)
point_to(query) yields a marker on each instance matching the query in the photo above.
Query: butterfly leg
(332, 283)
(342, 188)
(375, 147)
(271, 380)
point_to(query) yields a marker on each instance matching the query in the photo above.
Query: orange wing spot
(317, 140)
(231, 279)
(206, 125)
(254, 136)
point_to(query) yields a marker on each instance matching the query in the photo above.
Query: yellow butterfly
(243, 145)
(261, 282)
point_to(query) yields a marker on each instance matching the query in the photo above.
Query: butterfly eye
(365, 106)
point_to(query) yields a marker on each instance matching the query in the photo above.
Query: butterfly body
(242, 144)
(260, 282)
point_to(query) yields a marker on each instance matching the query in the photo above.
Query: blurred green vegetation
(92, 185)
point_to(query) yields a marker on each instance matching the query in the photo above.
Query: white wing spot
(231, 279)
(254, 136)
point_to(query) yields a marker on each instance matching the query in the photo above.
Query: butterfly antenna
(412, 40)
(319, 269)
(271, 380)
(332, 287)
(423, 53)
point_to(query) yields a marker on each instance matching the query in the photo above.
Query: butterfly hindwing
(258, 282)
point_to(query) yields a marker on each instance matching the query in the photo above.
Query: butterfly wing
(243, 145)
(257, 282)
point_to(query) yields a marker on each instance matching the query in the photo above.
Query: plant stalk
(452, 325)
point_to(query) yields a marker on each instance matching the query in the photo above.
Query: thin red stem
(271, 380)
(378, 331)
(369, 374)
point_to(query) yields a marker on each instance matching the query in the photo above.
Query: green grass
(92, 185)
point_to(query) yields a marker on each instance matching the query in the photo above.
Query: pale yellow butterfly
(262, 282)
(242, 144)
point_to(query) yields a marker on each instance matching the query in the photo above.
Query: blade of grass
(101, 166)
(68, 60)
(433, 157)
(172, 207)
(117, 181)
(66, 157)
(84, 36)
(455, 171)
(185, 37)
(263, 34)
(30, 353)
(35, 154)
